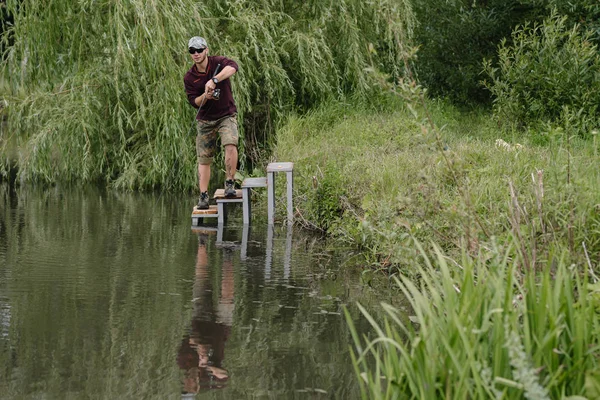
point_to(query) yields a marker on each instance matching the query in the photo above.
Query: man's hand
(209, 95)
(210, 86)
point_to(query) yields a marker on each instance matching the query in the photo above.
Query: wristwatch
(215, 80)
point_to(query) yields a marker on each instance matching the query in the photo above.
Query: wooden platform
(242, 195)
(220, 194)
(199, 215)
(211, 210)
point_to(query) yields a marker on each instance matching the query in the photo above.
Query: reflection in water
(202, 351)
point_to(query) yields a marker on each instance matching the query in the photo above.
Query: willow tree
(93, 89)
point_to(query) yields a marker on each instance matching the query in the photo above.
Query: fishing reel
(216, 94)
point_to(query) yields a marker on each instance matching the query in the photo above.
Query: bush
(549, 72)
(453, 38)
(585, 12)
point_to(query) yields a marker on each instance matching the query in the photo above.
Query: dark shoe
(203, 202)
(230, 188)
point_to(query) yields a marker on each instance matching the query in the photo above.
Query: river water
(113, 296)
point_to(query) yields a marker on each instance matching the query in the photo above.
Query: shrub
(453, 38)
(546, 74)
(585, 12)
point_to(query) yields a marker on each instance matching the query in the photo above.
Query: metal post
(245, 234)
(246, 206)
(288, 254)
(221, 211)
(290, 207)
(219, 233)
(269, 255)
(271, 197)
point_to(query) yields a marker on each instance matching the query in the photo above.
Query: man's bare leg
(203, 177)
(231, 159)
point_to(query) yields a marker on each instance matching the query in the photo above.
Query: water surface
(111, 295)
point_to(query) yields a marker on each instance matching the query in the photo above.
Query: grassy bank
(506, 305)
(376, 177)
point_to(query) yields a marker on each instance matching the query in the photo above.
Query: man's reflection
(202, 351)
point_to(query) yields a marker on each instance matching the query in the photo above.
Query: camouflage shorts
(206, 139)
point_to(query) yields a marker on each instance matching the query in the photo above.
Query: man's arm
(230, 67)
(226, 73)
(202, 99)
(194, 96)
(193, 93)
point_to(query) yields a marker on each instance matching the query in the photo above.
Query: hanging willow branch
(94, 88)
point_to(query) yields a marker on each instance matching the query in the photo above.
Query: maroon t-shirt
(194, 81)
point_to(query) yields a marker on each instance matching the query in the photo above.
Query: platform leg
(288, 254)
(269, 253)
(219, 233)
(245, 233)
(290, 206)
(221, 211)
(246, 205)
(271, 197)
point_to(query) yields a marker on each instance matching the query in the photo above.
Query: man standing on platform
(208, 89)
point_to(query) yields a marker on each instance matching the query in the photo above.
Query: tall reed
(93, 90)
(481, 330)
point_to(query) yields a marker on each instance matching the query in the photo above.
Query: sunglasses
(194, 50)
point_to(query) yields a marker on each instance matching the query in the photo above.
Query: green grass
(376, 176)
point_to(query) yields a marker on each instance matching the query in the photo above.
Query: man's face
(198, 55)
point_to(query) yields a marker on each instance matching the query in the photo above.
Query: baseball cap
(197, 42)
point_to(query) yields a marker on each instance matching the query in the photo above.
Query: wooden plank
(255, 182)
(220, 194)
(280, 167)
(211, 210)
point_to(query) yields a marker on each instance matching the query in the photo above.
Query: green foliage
(453, 38)
(94, 90)
(485, 331)
(549, 71)
(584, 12)
(325, 206)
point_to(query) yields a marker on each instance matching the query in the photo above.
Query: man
(216, 113)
